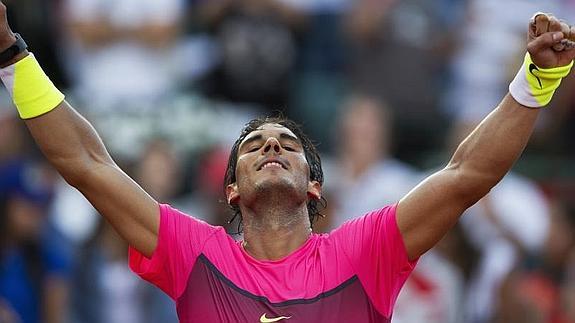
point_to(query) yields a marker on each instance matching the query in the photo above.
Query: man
(281, 271)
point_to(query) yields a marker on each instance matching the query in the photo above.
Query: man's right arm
(73, 147)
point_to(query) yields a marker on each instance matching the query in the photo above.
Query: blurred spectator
(365, 176)
(319, 84)
(72, 215)
(105, 290)
(123, 50)
(33, 267)
(568, 285)
(159, 171)
(399, 51)
(257, 41)
(539, 290)
(207, 200)
(433, 293)
(7, 314)
(510, 222)
(13, 141)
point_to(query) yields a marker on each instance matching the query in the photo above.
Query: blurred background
(386, 88)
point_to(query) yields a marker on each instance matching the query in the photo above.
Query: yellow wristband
(534, 86)
(31, 90)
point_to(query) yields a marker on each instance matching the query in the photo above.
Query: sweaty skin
(273, 200)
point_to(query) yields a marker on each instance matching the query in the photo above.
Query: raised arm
(426, 214)
(73, 147)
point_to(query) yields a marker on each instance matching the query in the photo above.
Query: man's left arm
(426, 213)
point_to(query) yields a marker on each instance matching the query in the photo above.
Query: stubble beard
(277, 202)
(281, 192)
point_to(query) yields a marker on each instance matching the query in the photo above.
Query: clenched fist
(551, 41)
(7, 37)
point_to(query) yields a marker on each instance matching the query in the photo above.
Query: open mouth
(272, 164)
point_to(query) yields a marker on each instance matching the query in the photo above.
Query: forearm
(488, 153)
(69, 142)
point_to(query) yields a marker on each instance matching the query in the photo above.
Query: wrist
(533, 86)
(31, 90)
(7, 40)
(14, 52)
(16, 59)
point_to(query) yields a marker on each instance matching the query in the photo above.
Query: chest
(210, 296)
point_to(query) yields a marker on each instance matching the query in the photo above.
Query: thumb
(545, 41)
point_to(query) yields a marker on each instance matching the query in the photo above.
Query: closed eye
(289, 148)
(256, 148)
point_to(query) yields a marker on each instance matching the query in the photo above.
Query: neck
(272, 233)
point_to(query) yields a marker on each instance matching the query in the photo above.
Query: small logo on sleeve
(264, 319)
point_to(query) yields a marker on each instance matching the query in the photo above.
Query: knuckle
(554, 25)
(541, 23)
(559, 47)
(540, 16)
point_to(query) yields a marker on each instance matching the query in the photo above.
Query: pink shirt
(352, 274)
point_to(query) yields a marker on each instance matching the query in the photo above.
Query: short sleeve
(376, 251)
(180, 241)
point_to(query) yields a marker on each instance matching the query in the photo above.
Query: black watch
(9, 53)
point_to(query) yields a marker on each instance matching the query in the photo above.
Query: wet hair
(311, 155)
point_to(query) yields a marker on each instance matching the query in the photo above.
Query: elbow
(74, 177)
(79, 173)
(471, 185)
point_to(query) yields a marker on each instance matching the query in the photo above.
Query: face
(159, 173)
(363, 133)
(272, 158)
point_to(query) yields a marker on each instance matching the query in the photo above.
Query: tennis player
(282, 271)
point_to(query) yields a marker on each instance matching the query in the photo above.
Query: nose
(271, 144)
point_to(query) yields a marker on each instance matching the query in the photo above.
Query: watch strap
(9, 53)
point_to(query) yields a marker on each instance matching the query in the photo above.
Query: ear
(314, 190)
(232, 194)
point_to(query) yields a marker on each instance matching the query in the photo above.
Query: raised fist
(551, 41)
(7, 37)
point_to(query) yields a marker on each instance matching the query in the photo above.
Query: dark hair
(311, 155)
